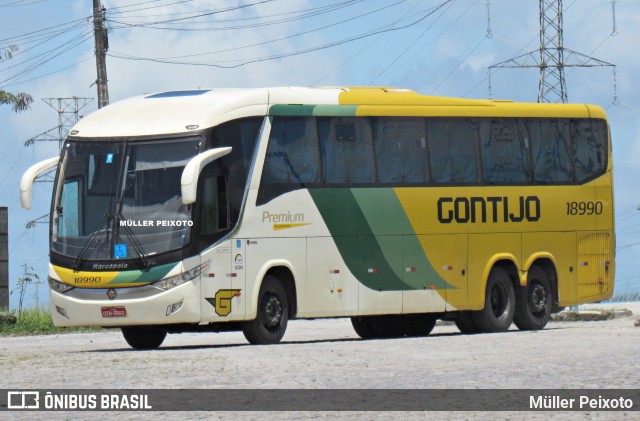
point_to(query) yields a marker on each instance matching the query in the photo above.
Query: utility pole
(102, 45)
(4, 258)
(553, 57)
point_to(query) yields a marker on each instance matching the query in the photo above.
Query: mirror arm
(26, 182)
(191, 172)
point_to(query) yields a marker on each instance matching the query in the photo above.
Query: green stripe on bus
(375, 239)
(386, 216)
(139, 277)
(312, 110)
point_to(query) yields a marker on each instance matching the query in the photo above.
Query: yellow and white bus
(223, 209)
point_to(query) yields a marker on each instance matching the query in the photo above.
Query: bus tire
(465, 324)
(144, 337)
(499, 304)
(418, 325)
(534, 302)
(270, 323)
(362, 326)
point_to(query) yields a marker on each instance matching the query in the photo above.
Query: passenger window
(293, 154)
(400, 150)
(452, 149)
(347, 150)
(503, 151)
(550, 156)
(589, 147)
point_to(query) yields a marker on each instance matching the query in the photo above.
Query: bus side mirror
(26, 182)
(191, 172)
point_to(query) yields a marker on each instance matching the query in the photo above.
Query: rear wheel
(362, 326)
(465, 324)
(499, 305)
(393, 326)
(273, 313)
(387, 326)
(144, 337)
(534, 302)
(418, 324)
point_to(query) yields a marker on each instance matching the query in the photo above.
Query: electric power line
(220, 64)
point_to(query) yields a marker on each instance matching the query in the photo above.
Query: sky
(438, 47)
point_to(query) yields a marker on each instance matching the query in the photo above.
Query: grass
(36, 321)
(625, 297)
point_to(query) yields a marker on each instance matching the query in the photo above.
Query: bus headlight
(58, 286)
(180, 279)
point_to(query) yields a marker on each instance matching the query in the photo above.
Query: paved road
(328, 354)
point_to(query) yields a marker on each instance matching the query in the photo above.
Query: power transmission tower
(553, 57)
(102, 45)
(68, 115)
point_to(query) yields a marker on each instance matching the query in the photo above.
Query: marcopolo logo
(494, 209)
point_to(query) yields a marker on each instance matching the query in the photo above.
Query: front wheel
(499, 305)
(273, 313)
(144, 337)
(534, 302)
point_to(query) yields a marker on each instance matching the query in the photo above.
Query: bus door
(223, 282)
(214, 282)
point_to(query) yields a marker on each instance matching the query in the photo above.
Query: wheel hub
(273, 311)
(537, 298)
(498, 301)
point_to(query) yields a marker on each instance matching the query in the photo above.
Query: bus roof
(177, 112)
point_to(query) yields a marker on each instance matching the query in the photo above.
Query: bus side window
(589, 141)
(69, 222)
(347, 150)
(549, 154)
(453, 153)
(214, 217)
(400, 150)
(503, 151)
(293, 154)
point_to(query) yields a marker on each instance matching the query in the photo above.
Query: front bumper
(145, 305)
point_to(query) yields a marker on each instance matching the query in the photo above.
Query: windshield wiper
(137, 247)
(88, 246)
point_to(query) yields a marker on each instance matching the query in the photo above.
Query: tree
(20, 101)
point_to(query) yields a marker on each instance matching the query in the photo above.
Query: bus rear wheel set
(528, 307)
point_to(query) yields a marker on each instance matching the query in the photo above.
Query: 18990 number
(87, 279)
(584, 208)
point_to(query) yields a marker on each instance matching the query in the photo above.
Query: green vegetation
(34, 321)
(20, 101)
(625, 297)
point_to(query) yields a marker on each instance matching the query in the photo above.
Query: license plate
(114, 312)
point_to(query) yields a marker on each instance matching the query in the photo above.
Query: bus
(241, 209)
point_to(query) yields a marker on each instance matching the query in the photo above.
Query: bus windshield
(121, 200)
